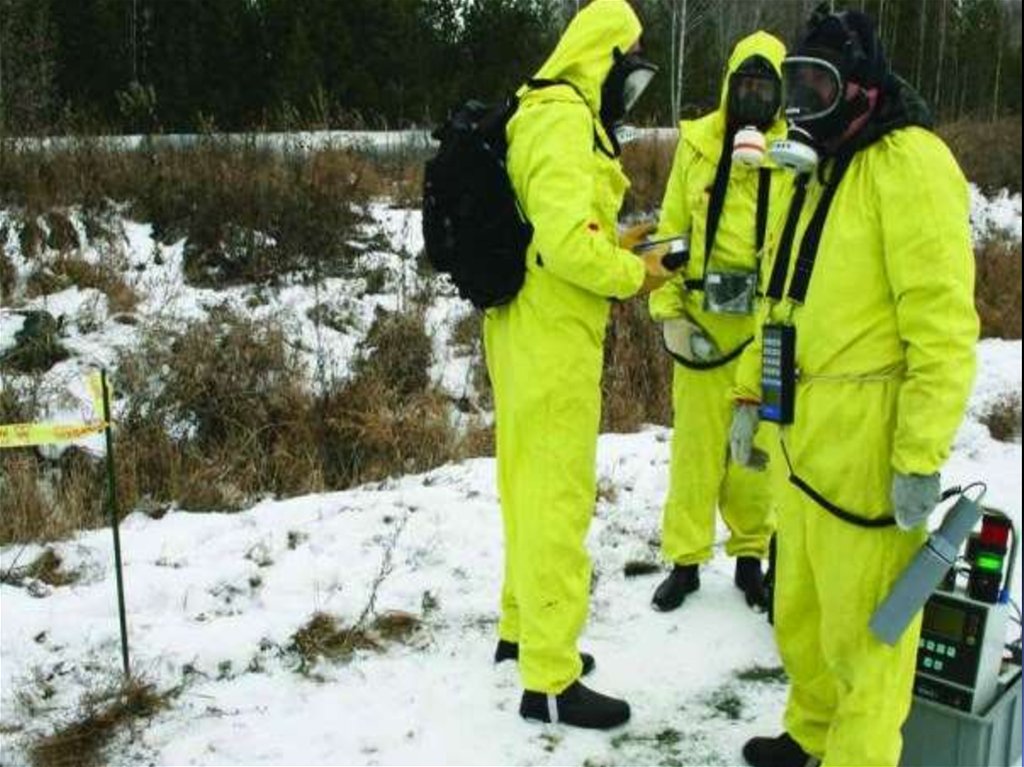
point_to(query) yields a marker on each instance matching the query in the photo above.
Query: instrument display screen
(945, 621)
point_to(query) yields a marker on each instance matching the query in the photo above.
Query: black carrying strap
(777, 281)
(717, 202)
(804, 267)
(827, 505)
(710, 364)
(764, 190)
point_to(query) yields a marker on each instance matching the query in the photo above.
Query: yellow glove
(657, 275)
(634, 235)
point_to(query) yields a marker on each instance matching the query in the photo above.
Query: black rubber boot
(782, 751)
(750, 581)
(510, 651)
(683, 580)
(577, 705)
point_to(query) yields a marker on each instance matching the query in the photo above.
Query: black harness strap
(804, 267)
(827, 505)
(777, 281)
(710, 364)
(717, 203)
(764, 189)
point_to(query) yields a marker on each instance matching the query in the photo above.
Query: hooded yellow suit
(885, 353)
(701, 475)
(545, 348)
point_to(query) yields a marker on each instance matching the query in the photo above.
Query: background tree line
(187, 65)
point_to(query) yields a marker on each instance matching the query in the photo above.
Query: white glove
(745, 420)
(914, 497)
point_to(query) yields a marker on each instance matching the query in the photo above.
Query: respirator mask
(752, 104)
(814, 111)
(626, 81)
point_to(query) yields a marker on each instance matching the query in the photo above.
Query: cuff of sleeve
(634, 272)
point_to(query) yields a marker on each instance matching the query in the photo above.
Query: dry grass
(997, 288)
(81, 742)
(247, 214)
(637, 567)
(49, 502)
(988, 152)
(1003, 418)
(637, 378)
(37, 346)
(647, 163)
(324, 637)
(235, 387)
(70, 270)
(47, 568)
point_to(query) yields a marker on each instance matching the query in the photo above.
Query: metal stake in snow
(15, 435)
(112, 506)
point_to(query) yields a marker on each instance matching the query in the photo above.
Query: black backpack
(473, 227)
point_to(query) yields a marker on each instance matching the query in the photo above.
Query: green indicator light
(989, 562)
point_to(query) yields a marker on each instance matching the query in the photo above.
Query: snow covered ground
(214, 600)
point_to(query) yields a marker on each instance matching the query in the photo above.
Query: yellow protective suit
(545, 349)
(885, 351)
(701, 476)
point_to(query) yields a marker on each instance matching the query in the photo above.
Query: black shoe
(782, 751)
(510, 651)
(577, 705)
(750, 581)
(683, 580)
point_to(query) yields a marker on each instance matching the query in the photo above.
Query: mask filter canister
(748, 147)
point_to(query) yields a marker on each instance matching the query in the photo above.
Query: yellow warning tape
(94, 384)
(26, 434)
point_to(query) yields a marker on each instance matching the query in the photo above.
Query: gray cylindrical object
(925, 571)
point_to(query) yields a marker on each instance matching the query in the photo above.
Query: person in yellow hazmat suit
(865, 357)
(721, 193)
(544, 350)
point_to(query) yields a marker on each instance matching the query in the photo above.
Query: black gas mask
(754, 95)
(626, 81)
(827, 85)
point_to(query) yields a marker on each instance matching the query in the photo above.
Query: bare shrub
(8, 278)
(397, 351)
(1003, 417)
(24, 505)
(371, 431)
(647, 163)
(997, 287)
(233, 390)
(248, 214)
(68, 270)
(637, 380)
(82, 742)
(988, 152)
(37, 345)
(47, 567)
(45, 500)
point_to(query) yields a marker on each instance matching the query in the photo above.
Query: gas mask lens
(636, 82)
(813, 88)
(753, 99)
(626, 81)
